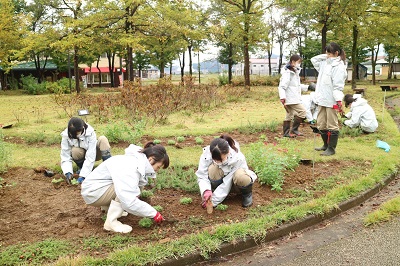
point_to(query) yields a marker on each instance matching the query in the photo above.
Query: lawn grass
(34, 116)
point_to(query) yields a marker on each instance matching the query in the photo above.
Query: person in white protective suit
(308, 100)
(222, 169)
(79, 144)
(361, 114)
(115, 184)
(290, 90)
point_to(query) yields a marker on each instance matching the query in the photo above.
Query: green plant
(158, 208)
(56, 181)
(122, 132)
(199, 141)
(157, 141)
(145, 222)
(146, 194)
(221, 207)
(186, 201)
(180, 139)
(5, 154)
(171, 142)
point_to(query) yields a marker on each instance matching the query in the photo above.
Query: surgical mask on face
(297, 65)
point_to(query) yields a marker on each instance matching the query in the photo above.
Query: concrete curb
(286, 229)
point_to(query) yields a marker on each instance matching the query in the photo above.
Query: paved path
(342, 240)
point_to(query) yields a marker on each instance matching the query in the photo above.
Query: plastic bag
(383, 145)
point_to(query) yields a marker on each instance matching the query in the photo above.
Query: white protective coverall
(127, 172)
(87, 141)
(236, 160)
(308, 100)
(361, 114)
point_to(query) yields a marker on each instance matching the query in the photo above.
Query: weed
(145, 222)
(35, 137)
(171, 142)
(385, 212)
(221, 207)
(186, 201)
(5, 153)
(350, 132)
(178, 177)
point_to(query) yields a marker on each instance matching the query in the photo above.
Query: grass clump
(180, 139)
(158, 208)
(199, 141)
(385, 212)
(221, 207)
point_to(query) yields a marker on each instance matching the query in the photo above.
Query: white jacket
(331, 80)
(308, 101)
(290, 87)
(87, 141)
(236, 160)
(127, 172)
(361, 114)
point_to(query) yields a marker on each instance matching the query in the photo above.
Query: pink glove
(158, 218)
(283, 101)
(206, 196)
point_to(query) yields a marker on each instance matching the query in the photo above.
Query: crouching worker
(361, 114)
(115, 184)
(222, 169)
(79, 144)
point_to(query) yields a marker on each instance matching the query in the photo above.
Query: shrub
(31, 85)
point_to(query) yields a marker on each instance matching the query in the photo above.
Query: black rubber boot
(332, 137)
(324, 137)
(286, 129)
(247, 196)
(296, 123)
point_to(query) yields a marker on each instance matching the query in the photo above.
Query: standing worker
(222, 169)
(329, 94)
(115, 184)
(290, 96)
(79, 144)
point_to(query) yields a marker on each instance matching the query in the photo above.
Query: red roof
(102, 70)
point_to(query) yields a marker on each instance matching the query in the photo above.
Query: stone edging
(286, 229)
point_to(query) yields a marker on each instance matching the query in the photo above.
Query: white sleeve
(66, 159)
(283, 85)
(90, 156)
(202, 171)
(316, 60)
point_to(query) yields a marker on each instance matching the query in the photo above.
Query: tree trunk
(76, 70)
(323, 38)
(98, 68)
(190, 60)
(354, 62)
(129, 64)
(182, 65)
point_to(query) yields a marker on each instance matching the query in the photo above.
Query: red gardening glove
(283, 101)
(206, 196)
(158, 218)
(340, 107)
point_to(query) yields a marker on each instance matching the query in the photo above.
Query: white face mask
(297, 65)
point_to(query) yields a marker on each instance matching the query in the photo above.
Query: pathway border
(283, 230)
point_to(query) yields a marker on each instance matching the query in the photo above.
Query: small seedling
(146, 194)
(156, 141)
(186, 201)
(180, 139)
(158, 208)
(199, 140)
(56, 181)
(171, 142)
(145, 222)
(222, 207)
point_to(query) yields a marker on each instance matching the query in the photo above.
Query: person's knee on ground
(104, 147)
(243, 180)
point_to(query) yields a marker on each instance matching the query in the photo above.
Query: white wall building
(258, 66)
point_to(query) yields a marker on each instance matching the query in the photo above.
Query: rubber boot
(105, 209)
(324, 137)
(247, 196)
(296, 123)
(112, 224)
(286, 129)
(105, 155)
(332, 137)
